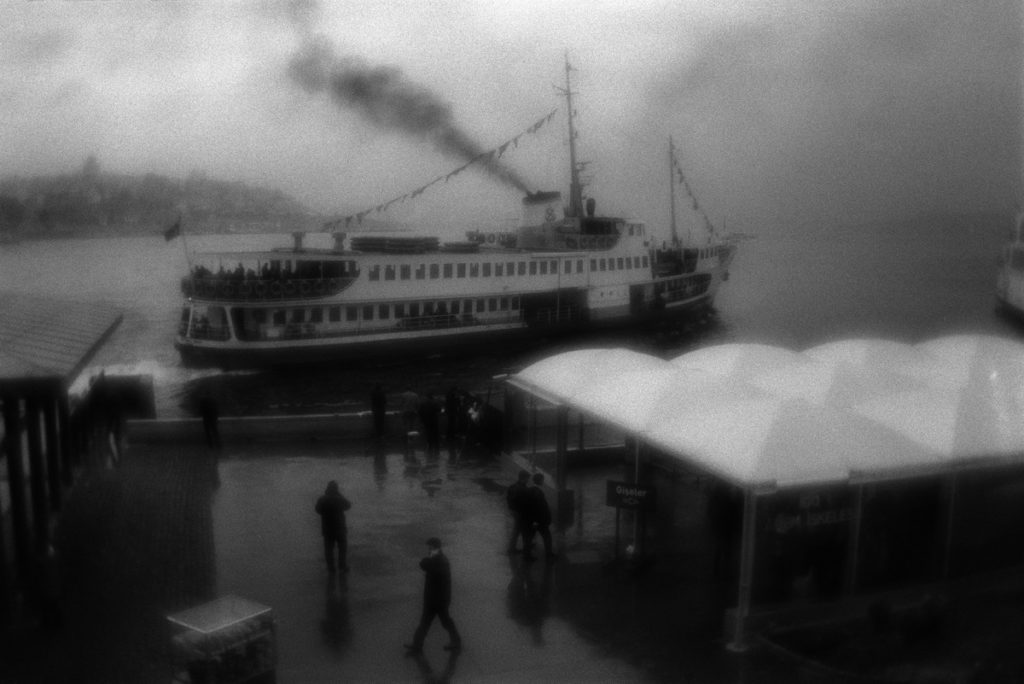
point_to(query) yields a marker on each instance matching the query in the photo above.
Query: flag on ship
(694, 204)
(489, 156)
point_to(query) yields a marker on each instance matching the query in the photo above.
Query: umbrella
(863, 368)
(737, 358)
(763, 440)
(925, 416)
(978, 420)
(630, 398)
(777, 371)
(563, 375)
(962, 359)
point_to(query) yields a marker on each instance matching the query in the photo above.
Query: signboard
(631, 495)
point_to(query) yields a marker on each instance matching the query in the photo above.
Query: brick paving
(135, 543)
(169, 529)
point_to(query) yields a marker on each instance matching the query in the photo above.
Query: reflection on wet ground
(162, 533)
(578, 618)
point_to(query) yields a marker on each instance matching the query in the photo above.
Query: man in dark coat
(437, 596)
(410, 403)
(429, 415)
(538, 516)
(453, 411)
(331, 507)
(210, 413)
(379, 406)
(516, 497)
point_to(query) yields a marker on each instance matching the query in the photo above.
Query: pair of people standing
(531, 514)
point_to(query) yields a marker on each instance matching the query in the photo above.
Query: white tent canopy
(764, 416)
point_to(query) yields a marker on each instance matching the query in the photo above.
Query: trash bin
(228, 640)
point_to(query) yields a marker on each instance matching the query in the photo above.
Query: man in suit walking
(437, 596)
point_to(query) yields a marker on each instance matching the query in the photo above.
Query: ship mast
(672, 190)
(575, 188)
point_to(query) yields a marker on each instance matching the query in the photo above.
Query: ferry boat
(564, 269)
(1010, 279)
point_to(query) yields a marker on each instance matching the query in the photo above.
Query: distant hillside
(90, 203)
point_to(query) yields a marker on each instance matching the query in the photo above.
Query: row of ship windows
(500, 269)
(383, 312)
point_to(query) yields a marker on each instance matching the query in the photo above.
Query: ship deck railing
(554, 315)
(204, 331)
(310, 331)
(686, 288)
(261, 289)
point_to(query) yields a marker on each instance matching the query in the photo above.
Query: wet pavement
(171, 528)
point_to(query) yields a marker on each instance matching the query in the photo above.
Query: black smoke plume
(386, 98)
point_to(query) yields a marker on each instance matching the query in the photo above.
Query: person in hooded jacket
(331, 507)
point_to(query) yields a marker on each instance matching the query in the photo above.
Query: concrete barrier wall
(241, 429)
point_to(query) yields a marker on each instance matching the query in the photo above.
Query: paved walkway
(170, 529)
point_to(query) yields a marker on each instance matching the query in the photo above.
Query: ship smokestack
(591, 206)
(542, 207)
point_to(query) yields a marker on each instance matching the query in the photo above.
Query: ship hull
(1010, 276)
(1011, 308)
(409, 346)
(408, 296)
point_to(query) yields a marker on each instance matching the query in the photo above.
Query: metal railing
(262, 289)
(567, 313)
(309, 330)
(204, 331)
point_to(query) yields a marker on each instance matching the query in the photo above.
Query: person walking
(331, 507)
(430, 417)
(453, 411)
(437, 597)
(410, 404)
(379, 406)
(516, 498)
(539, 514)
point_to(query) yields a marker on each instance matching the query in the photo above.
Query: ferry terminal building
(856, 471)
(48, 440)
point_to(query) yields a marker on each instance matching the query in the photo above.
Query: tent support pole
(564, 498)
(618, 521)
(950, 507)
(739, 642)
(561, 447)
(637, 540)
(533, 425)
(581, 433)
(853, 548)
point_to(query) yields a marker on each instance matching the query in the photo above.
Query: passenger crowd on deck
(276, 270)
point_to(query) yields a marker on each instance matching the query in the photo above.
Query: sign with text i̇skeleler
(631, 495)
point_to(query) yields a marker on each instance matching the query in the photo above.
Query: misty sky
(788, 114)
